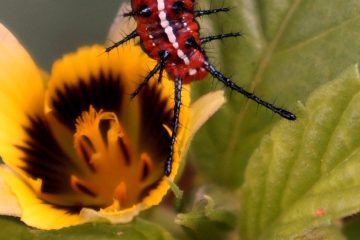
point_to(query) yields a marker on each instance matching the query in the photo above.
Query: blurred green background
(50, 28)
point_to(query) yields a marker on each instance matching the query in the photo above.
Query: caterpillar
(169, 33)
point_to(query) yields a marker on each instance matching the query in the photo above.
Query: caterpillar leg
(145, 81)
(207, 39)
(162, 67)
(218, 75)
(199, 13)
(177, 106)
(132, 35)
(164, 55)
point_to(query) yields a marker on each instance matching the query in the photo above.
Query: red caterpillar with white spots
(169, 33)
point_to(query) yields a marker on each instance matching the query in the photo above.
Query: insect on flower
(169, 34)
(74, 150)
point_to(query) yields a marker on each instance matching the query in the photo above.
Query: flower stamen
(121, 194)
(124, 147)
(147, 166)
(86, 150)
(103, 145)
(82, 186)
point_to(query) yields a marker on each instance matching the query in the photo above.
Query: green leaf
(206, 221)
(289, 48)
(325, 233)
(305, 174)
(12, 229)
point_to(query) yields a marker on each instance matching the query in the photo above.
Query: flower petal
(203, 108)
(123, 216)
(8, 202)
(35, 212)
(21, 94)
(89, 77)
(200, 111)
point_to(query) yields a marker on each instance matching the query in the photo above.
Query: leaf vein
(312, 186)
(317, 36)
(324, 150)
(263, 194)
(263, 63)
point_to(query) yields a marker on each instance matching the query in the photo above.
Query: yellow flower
(77, 149)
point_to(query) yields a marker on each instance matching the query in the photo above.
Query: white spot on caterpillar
(182, 55)
(161, 5)
(192, 72)
(170, 33)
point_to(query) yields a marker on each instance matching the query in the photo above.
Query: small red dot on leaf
(319, 212)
